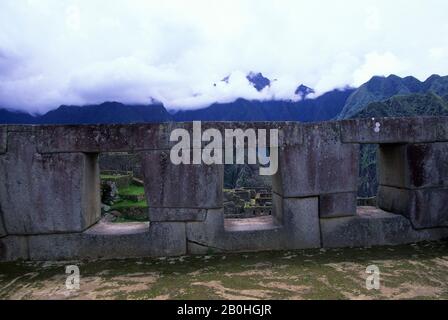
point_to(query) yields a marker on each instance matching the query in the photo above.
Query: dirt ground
(418, 271)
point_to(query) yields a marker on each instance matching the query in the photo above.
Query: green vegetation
(429, 104)
(417, 271)
(112, 176)
(127, 220)
(129, 204)
(132, 190)
(250, 204)
(127, 201)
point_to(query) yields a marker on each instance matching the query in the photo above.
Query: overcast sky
(55, 52)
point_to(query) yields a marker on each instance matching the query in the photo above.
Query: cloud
(379, 64)
(88, 51)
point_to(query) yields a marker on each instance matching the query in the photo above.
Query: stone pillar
(3, 136)
(320, 166)
(183, 195)
(413, 182)
(180, 192)
(317, 178)
(2, 227)
(47, 193)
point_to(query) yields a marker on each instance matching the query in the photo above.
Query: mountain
(324, 107)
(393, 97)
(382, 88)
(107, 113)
(15, 117)
(416, 104)
(258, 81)
(303, 91)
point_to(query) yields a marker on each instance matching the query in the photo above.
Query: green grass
(127, 220)
(129, 204)
(417, 271)
(132, 190)
(112, 176)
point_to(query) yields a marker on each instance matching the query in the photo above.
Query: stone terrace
(50, 197)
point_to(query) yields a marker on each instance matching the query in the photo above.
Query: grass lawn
(132, 190)
(417, 271)
(112, 176)
(128, 204)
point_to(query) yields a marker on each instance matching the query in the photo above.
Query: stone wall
(121, 161)
(50, 206)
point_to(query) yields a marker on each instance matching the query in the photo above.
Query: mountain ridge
(380, 89)
(324, 107)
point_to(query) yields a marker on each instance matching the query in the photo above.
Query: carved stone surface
(373, 227)
(413, 166)
(322, 164)
(426, 208)
(395, 130)
(181, 186)
(43, 193)
(337, 205)
(3, 139)
(50, 206)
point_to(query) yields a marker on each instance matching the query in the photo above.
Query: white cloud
(56, 52)
(373, 19)
(73, 18)
(379, 64)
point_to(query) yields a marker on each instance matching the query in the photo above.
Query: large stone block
(395, 130)
(374, 227)
(427, 164)
(414, 166)
(134, 240)
(3, 232)
(271, 238)
(139, 137)
(216, 235)
(167, 239)
(102, 138)
(176, 214)
(55, 247)
(426, 208)
(111, 241)
(207, 235)
(337, 205)
(47, 193)
(2, 227)
(181, 186)
(14, 248)
(300, 220)
(392, 170)
(322, 164)
(3, 139)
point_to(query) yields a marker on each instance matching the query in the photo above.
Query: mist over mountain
(379, 97)
(322, 108)
(390, 96)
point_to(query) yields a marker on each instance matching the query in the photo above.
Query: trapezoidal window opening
(123, 197)
(247, 197)
(368, 175)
